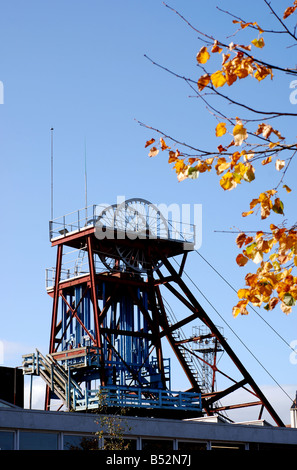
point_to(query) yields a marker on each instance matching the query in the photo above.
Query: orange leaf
(240, 239)
(240, 308)
(203, 81)
(245, 214)
(289, 11)
(163, 144)
(172, 157)
(216, 47)
(221, 149)
(149, 142)
(262, 72)
(287, 188)
(241, 260)
(267, 160)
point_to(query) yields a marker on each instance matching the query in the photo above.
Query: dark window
(75, 442)
(38, 441)
(6, 440)
(191, 446)
(268, 446)
(152, 445)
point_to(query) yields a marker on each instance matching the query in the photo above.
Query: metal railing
(89, 216)
(129, 397)
(74, 397)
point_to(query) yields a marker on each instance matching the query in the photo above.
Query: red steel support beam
(95, 303)
(196, 307)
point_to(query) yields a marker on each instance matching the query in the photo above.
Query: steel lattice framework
(118, 315)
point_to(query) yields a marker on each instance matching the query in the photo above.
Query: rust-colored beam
(54, 315)
(56, 298)
(95, 305)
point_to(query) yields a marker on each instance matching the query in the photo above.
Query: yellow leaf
(245, 214)
(203, 81)
(179, 165)
(249, 174)
(227, 181)
(222, 166)
(258, 43)
(218, 79)
(221, 129)
(240, 134)
(243, 293)
(203, 55)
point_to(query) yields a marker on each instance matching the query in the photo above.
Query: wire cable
(254, 310)
(235, 334)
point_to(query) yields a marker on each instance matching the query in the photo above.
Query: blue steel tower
(108, 315)
(109, 319)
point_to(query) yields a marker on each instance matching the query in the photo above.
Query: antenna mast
(86, 191)
(52, 175)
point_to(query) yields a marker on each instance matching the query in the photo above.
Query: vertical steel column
(54, 314)
(56, 299)
(95, 306)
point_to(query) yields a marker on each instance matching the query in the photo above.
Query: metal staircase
(57, 378)
(192, 362)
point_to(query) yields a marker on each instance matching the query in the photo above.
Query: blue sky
(80, 68)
